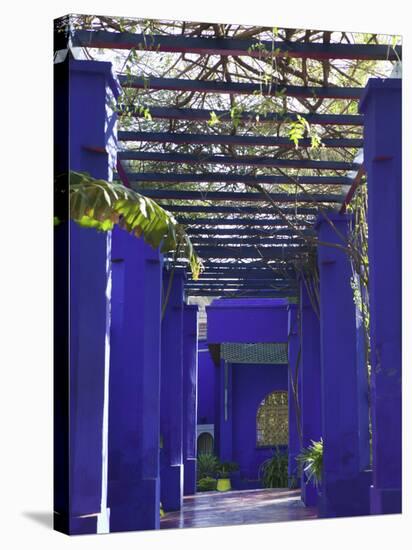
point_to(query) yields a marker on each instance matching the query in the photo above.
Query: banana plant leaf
(101, 205)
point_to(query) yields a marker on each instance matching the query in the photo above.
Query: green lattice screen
(272, 424)
(269, 354)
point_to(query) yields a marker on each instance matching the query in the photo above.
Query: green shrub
(274, 470)
(229, 466)
(310, 460)
(206, 484)
(207, 465)
(226, 468)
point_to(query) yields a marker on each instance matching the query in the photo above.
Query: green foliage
(310, 460)
(297, 130)
(230, 466)
(274, 470)
(213, 120)
(206, 484)
(207, 465)
(293, 482)
(236, 115)
(101, 205)
(226, 468)
(358, 240)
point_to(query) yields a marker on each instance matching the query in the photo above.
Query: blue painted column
(345, 484)
(381, 106)
(134, 390)
(92, 131)
(190, 397)
(294, 360)
(225, 431)
(171, 393)
(310, 372)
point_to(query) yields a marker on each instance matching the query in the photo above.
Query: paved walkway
(214, 509)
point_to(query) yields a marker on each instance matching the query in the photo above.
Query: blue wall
(250, 385)
(206, 386)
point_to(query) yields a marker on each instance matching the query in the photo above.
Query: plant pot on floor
(223, 484)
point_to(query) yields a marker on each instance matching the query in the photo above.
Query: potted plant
(223, 482)
(207, 465)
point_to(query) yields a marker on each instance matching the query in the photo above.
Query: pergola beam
(251, 267)
(225, 293)
(250, 277)
(237, 196)
(244, 222)
(174, 113)
(269, 253)
(262, 162)
(223, 139)
(245, 277)
(211, 241)
(241, 284)
(229, 46)
(218, 209)
(243, 88)
(223, 177)
(228, 233)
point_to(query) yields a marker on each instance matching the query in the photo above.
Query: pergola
(257, 140)
(260, 223)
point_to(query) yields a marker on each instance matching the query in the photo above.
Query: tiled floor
(238, 508)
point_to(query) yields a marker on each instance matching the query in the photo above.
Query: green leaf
(214, 119)
(100, 205)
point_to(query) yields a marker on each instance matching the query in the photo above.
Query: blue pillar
(381, 106)
(171, 392)
(189, 397)
(93, 131)
(225, 431)
(91, 126)
(310, 383)
(345, 484)
(293, 403)
(89, 349)
(134, 391)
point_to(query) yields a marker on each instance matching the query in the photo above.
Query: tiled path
(238, 508)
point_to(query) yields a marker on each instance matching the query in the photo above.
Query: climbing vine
(358, 239)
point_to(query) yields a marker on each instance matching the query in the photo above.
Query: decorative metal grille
(262, 354)
(272, 420)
